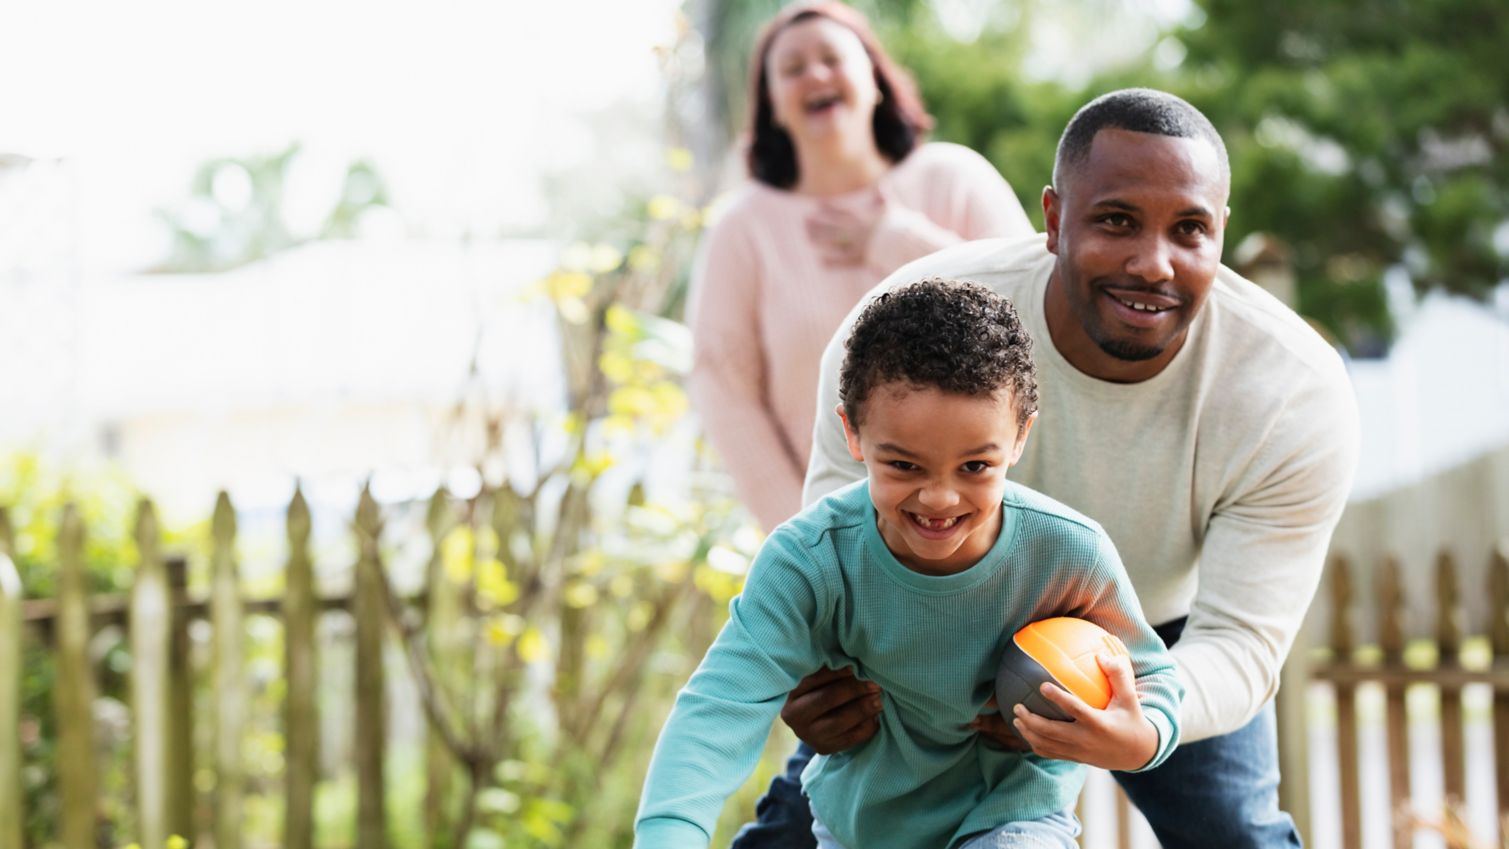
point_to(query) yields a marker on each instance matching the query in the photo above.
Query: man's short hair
(952, 335)
(1140, 110)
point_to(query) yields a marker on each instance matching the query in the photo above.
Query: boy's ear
(1021, 439)
(851, 435)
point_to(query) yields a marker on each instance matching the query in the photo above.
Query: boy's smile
(937, 465)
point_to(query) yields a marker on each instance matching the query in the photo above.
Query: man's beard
(1129, 351)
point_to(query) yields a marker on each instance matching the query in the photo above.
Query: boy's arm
(721, 719)
(1139, 729)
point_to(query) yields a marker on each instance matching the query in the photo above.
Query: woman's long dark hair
(900, 120)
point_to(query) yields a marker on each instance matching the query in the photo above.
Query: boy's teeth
(935, 524)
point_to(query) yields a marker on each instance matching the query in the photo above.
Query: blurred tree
(236, 211)
(1366, 135)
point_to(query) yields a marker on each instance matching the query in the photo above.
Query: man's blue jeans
(1222, 791)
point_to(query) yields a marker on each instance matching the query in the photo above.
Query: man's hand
(1119, 737)
(997, 733)
(831, 710)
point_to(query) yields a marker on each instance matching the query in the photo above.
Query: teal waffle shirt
(825, 590)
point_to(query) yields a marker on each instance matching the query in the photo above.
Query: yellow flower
(663, 207)
(679, 159)
(533, 647)
(579, 594)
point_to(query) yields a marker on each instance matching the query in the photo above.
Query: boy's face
(937, 465)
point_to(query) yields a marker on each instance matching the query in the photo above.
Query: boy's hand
(831, 710)
(1119, 737)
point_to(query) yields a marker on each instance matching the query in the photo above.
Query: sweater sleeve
(830, 465)
(1262, 559)
(1113, 605)
(728, 382)
(971, 201)
(712, 740)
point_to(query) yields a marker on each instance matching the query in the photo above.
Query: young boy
(917, 578)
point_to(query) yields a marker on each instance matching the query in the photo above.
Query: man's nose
(1151, 259)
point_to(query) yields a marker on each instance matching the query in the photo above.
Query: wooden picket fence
(1349, 668)
(157, 614)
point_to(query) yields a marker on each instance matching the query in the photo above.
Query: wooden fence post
(1449, 642)
(1498, 632)
(1391, 638)
(443, 623)
(10, 703)
(230, 684)
(369, 606)
(179, 799)
(73, 696)
(149, 629)
(300, 719)
(1343, 642)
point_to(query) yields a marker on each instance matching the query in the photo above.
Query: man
(1205, 425)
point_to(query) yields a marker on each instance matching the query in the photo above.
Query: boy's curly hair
(955, 335)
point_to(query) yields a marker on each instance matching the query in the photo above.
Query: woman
(843, 193)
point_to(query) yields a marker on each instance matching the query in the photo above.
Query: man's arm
(1262, 558)
(830, 466)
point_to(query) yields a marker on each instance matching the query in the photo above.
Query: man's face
(937, 489)
(1137, 229)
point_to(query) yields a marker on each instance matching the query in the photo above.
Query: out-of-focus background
(405, 283)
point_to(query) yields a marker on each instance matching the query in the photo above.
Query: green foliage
(1363, 136)
(236, 211)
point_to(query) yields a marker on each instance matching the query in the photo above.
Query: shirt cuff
(669, 833)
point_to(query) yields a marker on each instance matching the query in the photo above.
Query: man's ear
(1052, 213)
(1021, 439)
(851, 434)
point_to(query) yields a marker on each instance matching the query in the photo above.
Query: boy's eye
(902, 466)
(975, 467)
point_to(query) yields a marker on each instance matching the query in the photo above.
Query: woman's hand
(841, 233)
(1119, 737)
(831, 710)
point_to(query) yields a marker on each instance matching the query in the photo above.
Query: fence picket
(444, 629)
(371, 709)
(10, 702)
(226, 615)
(1391, 640)
(73, 696)
(149, 630)
(1498, 633)
(1449, 644)
(300, 716)
(1343, 643)
(179, 800)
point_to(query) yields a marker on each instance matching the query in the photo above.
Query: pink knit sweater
(763, 305)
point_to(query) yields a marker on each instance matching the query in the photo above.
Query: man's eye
(1117, 219)
(1191, 228)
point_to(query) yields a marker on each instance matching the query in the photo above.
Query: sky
(461, 104)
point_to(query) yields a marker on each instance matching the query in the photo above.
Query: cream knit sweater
(1219, 480)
